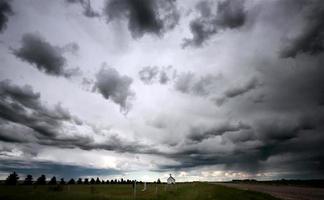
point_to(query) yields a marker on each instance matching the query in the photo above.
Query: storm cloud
(24, 119)
(229, 15)
(67, 171)
(188, 83)
(144, 16)
(22, 107)
(88, 11)
(237, 91)
(198, 134)
(114, 86)
(45, 57)
(310, 40)
(5, 12)
(248, 103)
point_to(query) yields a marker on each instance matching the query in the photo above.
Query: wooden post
(134, 186)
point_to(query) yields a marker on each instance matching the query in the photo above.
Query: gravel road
(283, 192)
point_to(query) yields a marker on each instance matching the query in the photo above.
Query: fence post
(134, 187)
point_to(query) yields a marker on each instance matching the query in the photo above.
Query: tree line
(13, 178)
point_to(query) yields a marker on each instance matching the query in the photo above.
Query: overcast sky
(205, 90)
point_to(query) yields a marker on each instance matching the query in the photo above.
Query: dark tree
(28, 180)
(41, 180)
(107, 182)
(86, 181)
(92, 181)
(98, 180)
(52, 181)
(158, 181)
(62, 182)
(79, 181)
(71, 181)
(12, 179)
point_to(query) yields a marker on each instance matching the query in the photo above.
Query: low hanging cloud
(88, 11)
(114, 86)
(144, 16)
(5, 12)
(38, 167)
(229, 15)
(25, 119)
(22, 108)
(198, 134)
(237, 91)
(311, 39)
(44, 56)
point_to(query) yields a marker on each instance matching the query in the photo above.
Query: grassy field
(97, 192)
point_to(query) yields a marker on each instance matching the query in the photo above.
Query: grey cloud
(164, 79)
(198, 134)
(285, 129)
(148, 74)
(46, 57)
(183, 82)
(72, 48)
(311, 39)
(88, 11)
(36, 168)
(237, 91)
(205, 85)
(20, 105)
(5, 12)
(144, 16)
(153, 74)
(229, 15)
(188, 83)
(114, 86)
(252, 152)
(24, 119)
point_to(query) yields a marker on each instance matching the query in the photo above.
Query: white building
(171, 180)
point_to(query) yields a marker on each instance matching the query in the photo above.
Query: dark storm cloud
(284, 132)
(87, 8)
(311, 39)
(144, 16)
(188, 83)
(152, 74)
(24, 119)
(198, 134)
(237, 91)
(114, 86)
(46, 57)
(21, 105)
(229, 15)
(5, 12)
(122, 145)
(37, 168)
(253, 153)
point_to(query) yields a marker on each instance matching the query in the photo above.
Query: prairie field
(185, 191)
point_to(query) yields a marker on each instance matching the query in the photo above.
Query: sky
(204, 90)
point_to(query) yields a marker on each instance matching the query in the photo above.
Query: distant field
(199, 191)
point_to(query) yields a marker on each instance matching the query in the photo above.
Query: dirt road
(283, 192)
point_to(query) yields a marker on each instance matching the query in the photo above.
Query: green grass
(199, 191)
